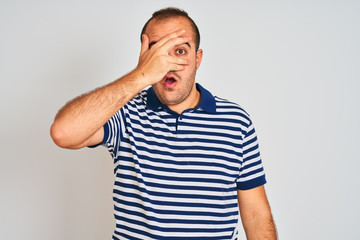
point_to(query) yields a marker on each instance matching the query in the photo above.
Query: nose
(172, 52)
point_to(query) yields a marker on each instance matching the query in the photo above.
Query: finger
(176, 67)
(144, 44)
(177, 60)
(172, 35)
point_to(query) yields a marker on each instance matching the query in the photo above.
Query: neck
(190, 102)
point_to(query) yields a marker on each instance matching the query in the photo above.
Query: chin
(170, 101)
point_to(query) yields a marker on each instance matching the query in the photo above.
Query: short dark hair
(172, 12)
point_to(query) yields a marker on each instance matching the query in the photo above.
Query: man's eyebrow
(152, 43)
(188, 44)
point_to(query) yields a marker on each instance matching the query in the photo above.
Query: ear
(199, 55)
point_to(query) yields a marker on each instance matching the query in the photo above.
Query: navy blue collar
(207, 101)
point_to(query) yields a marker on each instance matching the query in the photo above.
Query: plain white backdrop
(293, 65)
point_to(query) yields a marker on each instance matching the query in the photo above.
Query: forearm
(78, 123)
(82, 117)
(256, 214)
(260, 227)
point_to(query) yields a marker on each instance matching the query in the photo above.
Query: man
(185, 161)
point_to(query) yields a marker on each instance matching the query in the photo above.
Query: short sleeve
(251, 172)
(106, 136)
(113, 132)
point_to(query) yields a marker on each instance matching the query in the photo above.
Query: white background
(293, 65)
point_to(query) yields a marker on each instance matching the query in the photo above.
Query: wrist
(133, 82)
(140, 77)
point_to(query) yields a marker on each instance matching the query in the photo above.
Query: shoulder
(138, 101)
(141, 97)
(231, 109)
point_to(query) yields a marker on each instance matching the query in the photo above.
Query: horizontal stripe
(180, 195)
(185, 177)
(184, 211)
(130, 172)
(168, 186)
(175, 220)
(142, 223)
(175, 202)
(175, 215)
(144, 233)
(177, 175)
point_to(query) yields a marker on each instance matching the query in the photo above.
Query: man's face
(178, 87)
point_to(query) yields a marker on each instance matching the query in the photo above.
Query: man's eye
(180, 51)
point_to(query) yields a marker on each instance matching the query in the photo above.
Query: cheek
(189, 68)
(190, 64)
(192, 61)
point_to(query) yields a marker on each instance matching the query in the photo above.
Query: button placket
(178, 120)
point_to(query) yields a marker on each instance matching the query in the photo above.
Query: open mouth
(169, 81)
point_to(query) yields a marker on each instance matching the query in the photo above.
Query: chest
(186, 147)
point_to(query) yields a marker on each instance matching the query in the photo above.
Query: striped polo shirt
(177, 175)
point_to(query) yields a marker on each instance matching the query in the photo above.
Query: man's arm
(80, 122)
(256, 214)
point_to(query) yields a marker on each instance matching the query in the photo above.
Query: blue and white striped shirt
(177, 175)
